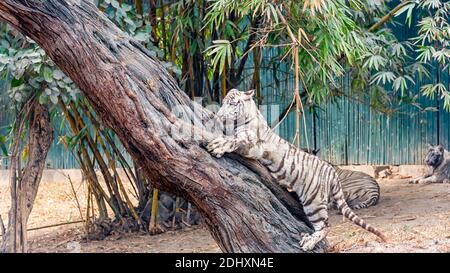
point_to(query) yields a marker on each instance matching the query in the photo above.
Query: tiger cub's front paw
(219, 146)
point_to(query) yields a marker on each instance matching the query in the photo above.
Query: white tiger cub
(314, 180)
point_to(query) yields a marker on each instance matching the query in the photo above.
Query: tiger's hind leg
(362, 205)
(319, 220)
(356, 204)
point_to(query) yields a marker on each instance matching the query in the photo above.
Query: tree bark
(39, 141)
(243, 207)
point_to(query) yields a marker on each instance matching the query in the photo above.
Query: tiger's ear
(429, 146)
(250, 93)
(440, 147)
(234, 90)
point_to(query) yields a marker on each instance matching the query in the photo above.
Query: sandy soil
(69, 239)
(415, 218)
(55, 203)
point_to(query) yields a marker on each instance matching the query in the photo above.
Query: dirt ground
(415, 218)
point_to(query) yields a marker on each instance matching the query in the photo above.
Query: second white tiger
(360, 189)
(315, 181)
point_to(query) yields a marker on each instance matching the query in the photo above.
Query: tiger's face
(238, 109)
(435, 156)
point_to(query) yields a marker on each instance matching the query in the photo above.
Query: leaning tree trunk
(25, 188)
(136, 97)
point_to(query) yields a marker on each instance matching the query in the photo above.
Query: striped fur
(315, 181)
(360, 189)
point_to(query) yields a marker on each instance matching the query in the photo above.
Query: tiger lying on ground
(438, 162)
(314, 181)
(360, 189)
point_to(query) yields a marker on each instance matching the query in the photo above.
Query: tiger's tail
(349, 214)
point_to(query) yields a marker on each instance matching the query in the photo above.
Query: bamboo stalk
(153, 22)
(175, 211)
(163, 28)
(97, 190)
(89, 195)
(141, 184)
(388, 16)
(223, 82)
(130, 205)
(110, 182)
(139, 8)
(87, 166)
(2, 227)
(173, 47)
(110, 141)
(93, 184)
(297, 99)
(112, 165)
(188, 213)
(297, 44)
(92, 206)
(75, 196)
(256, 74)
(154, 213)
(190, 68)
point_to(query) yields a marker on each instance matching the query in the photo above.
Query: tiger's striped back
(360, 189)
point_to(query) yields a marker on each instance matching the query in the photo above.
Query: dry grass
(55, 203)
